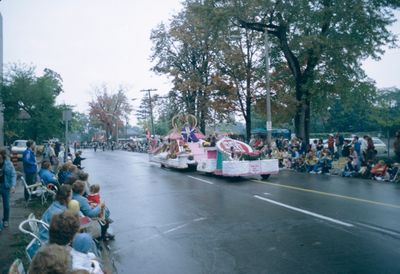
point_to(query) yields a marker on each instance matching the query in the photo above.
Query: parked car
(380, 146)
(18, 147)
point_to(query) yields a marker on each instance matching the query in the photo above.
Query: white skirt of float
(250, 168)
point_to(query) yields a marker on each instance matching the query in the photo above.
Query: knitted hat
(82, 242)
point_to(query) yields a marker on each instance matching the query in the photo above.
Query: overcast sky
(96, 41)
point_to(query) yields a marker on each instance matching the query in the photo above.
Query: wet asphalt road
(186, 222)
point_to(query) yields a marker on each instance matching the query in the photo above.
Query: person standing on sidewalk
(339, 141)
(30, 165)
(396, 146)
(8, 179)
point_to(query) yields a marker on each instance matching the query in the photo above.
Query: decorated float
(234, 158)
(184, 147)
(175, 151)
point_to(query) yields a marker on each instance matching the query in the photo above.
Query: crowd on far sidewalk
(349, 157)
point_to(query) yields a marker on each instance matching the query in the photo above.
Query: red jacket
(94, 198)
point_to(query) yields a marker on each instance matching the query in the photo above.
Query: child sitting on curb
(94, 200)
(379, 170)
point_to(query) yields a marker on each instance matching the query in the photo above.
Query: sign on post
(67, 115)
(269, 125)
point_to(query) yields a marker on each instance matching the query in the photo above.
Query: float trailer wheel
(265, 176)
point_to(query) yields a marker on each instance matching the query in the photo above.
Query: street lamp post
(67, 116)
(151, 108)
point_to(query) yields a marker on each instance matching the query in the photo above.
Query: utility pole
(67, 116)
(267, 88)
(1, 84)
(151, 108)
(261, 27)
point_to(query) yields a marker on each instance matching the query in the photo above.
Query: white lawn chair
(396, 177)
(37, 190)
(17, 267)
(33, 231)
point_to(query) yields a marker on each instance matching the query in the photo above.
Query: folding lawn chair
(396, 176)
(32, 248)
(38, 190)
(17, 267)
(33, 231)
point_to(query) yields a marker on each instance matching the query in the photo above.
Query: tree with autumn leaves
(108, 109)
(213, 50)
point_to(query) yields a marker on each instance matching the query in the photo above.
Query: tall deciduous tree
(321, 42)
(29, 100)
(386, 112)
(184, 51)
(238, 63)
(109, 108)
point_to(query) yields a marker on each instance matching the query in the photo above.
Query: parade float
(175, 150)
(233, 158)
(184, 147)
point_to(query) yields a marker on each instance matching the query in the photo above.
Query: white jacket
(85, 261)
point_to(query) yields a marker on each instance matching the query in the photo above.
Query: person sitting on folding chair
(48, 177)
(63, 231)
(63, 197)
(53, 259)
(78, 189)
(8, 179)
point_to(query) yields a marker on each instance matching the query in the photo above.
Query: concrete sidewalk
(12, 241)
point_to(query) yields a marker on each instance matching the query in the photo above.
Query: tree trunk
(303, 113)
(248, 107)
(248, 127)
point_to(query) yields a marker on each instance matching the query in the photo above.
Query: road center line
(329, 194)
(175, 228)
(379, 229)
(184, 225)
(152, 164)
(304, 211)
(201, 180)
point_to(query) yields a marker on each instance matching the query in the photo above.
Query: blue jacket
(86, 209)
(357, 147)
(29, 161)
(54, 208)
(63, 175)
(47, 176)
(10, 177)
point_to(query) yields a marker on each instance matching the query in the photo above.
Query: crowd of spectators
(356, 157)
(72, 240)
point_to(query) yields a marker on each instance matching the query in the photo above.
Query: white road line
(201, 180)
(152, 164)
(382, 230)
(176, 228)
(266, 193)
(184, 225)
(304, 211)
(199, 219)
